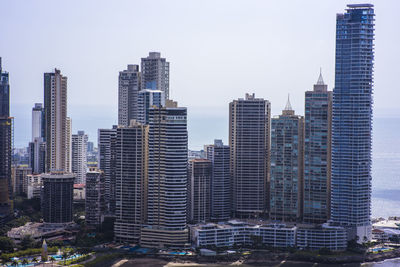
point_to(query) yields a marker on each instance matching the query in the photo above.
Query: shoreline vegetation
(255, 258)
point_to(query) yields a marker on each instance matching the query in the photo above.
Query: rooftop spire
(320, 79)
(288, 105)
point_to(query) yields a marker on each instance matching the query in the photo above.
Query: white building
(271, 234)
(79, 152)
(34, 186)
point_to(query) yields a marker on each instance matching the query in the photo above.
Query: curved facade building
(352, 122)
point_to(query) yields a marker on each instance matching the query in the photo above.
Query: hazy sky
(218, 51)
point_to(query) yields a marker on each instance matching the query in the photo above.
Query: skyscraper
(57, 197)
(5, 146)
(165, 223)
(55, 106)
(37, 147)
(37, 155)
(128, 90)
(249, 124)
(199, 190)
(38, 128)
(155, 73)
(219, 155)
(130, 176)
(79, 153)
(352, 121)
(317, 153)
(94, 198)
(287, 157)
(147, 99)
(106, 145)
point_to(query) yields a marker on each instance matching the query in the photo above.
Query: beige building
(56, 125)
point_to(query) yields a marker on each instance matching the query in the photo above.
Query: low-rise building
(239, 233)
(322, 236)
(40, 231)
(380, 235)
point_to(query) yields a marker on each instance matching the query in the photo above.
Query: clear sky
(218, 51)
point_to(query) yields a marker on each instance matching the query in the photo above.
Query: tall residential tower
(317, 153)
(249, 124)
(352, 121)
(56, 128)
(155, 73)
(128, 90)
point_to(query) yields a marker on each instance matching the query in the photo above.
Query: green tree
(6, 244)
(34, 260)
(25, 261)
(27, 242)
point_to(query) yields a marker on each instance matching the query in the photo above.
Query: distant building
(57, 197)
(199, 190)
(38, 126)
(106, 162)
(147, 99)
(287, 157)
(165, 223)
(94, 201)
(219, 155)
(155, 73)
(352, 121)
(131, 153)
(21, 180)
(128, 90)
(317, 153)
(37, 155)
(56, 128)
(79, 160)
(249, 124)
(79, 194)
(34, 186)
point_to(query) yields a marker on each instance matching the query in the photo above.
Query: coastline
(260, 258)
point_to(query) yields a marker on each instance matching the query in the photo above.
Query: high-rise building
(37, 155)
(352, 121)
(147, 99)
(21, 180)
(128, 90)
(249, 124)
(167, 178)
(55, 106)
(68, 135)
(79, 152)
(287, 159)
(94, 198)
(155, 73)
(130, 177)
(57, 197)
(199, 190)
(106, 145)
(219, 155)
(5, 146)
(37, 147)
(317, 153)
(38, 128)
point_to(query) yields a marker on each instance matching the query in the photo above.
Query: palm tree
(25, 261)
(64, 256)
(35, 260)
(14, 263)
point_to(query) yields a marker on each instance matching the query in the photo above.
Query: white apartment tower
(79, 152)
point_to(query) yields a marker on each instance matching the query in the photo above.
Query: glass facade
(352, 120)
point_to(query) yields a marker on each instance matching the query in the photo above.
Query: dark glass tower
(352, 121)
(5, 146)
